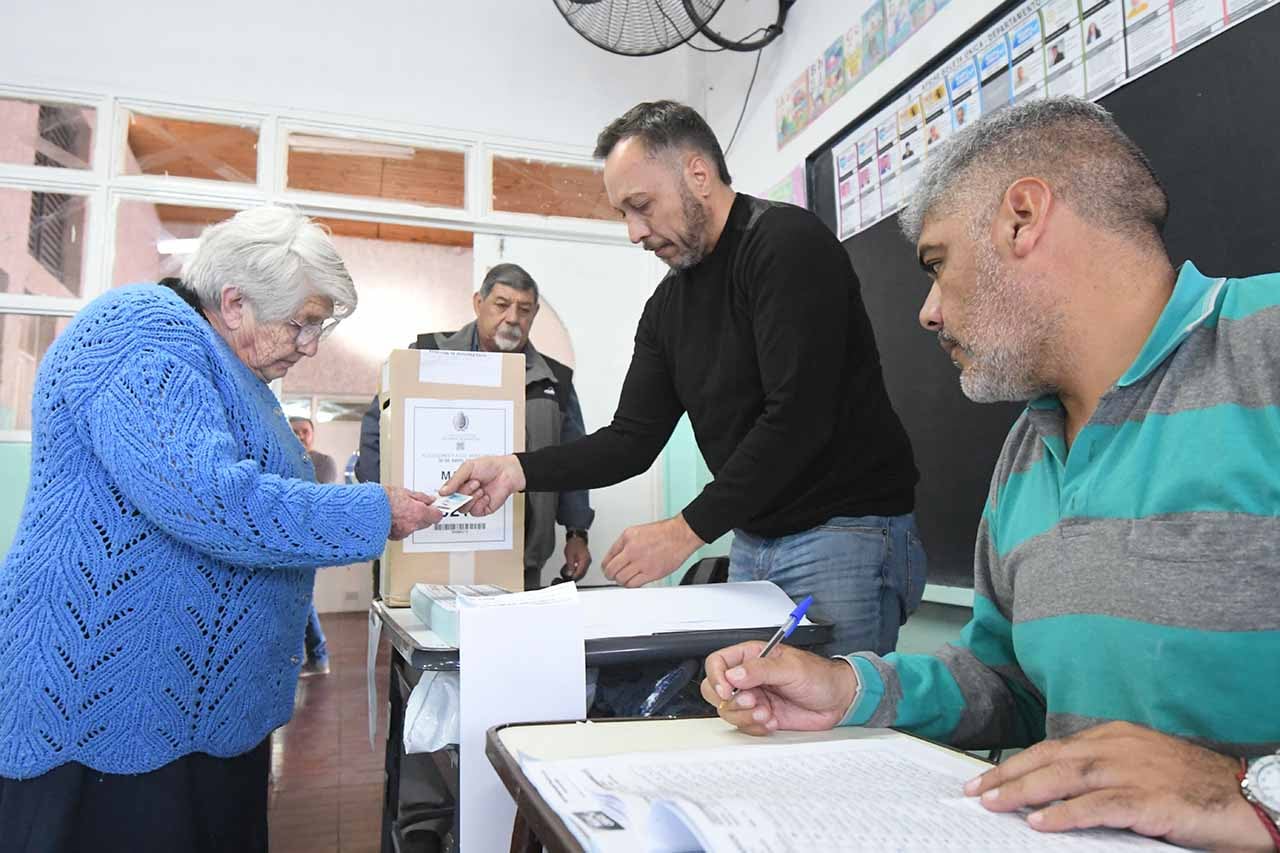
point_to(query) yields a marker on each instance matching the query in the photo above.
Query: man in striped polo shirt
(1126, 574)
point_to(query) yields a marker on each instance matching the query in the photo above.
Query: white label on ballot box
(451, 367)
(439, 436)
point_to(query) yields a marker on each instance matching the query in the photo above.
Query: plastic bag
(431, 714)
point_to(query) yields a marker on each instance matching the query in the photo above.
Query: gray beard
(1016, 338)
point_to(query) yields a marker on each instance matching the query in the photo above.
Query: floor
(326, 781)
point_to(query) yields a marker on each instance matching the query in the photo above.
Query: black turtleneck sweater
(767, 346)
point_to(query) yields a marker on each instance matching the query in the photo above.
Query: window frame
(105, 185)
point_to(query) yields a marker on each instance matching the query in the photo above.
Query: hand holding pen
(789, 689)
(778, 636)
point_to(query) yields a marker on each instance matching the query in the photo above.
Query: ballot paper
(698, 607)
(449, 504)
(521, 658)
(896, 793)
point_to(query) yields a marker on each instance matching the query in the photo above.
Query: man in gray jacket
(505, 309)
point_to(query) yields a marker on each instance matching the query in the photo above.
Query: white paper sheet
(439, 436)
(521, 658)
(699, 607)
(898, 794)
(371, 674)
(455, 367)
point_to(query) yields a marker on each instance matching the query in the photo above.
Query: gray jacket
(552, 416)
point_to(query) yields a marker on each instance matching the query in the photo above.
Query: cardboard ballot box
(439, 409)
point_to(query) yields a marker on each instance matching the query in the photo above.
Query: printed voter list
(440, 435)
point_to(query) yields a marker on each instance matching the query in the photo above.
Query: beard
(508, 338)
(1008, 336)
(692, 239)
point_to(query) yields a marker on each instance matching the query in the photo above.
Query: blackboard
(1210, 122)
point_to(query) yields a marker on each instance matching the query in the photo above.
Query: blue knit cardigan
(153, 602)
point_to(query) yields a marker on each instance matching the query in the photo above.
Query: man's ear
(476, 302)
(232, 307)
(1022, 216)
(697, 174)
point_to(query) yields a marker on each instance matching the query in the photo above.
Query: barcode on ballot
(461, 526)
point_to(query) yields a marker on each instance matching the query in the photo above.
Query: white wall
(599, 293)
(506, 67)
(755, 161)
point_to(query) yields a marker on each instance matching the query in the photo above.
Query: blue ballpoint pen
(781, 634)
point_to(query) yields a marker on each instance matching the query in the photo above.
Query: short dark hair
(664, 125)
(512, 275)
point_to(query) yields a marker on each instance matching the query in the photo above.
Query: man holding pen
(759, 333)
(1125, 570)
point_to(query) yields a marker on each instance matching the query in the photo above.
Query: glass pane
(328, 411)
(24, 339)
(57, 135)
(377, 170)
(550, 189)
(155, 240)
(42, 242)
(296, 407)
(396, 233)
(191, 149)
(409, 282)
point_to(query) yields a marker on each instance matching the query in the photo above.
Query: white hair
(277, 257)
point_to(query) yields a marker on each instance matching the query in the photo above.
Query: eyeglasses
(309, 332)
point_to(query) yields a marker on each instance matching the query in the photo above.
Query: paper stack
(437, 605)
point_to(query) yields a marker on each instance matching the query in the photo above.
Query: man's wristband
(573, 533)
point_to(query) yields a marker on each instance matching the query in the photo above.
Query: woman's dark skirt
(197, 803)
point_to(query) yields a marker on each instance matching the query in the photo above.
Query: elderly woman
(153, 603)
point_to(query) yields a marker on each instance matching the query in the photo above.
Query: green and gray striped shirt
(1136, 577)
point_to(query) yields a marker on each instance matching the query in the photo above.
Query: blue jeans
(317, 649)
(866, 575)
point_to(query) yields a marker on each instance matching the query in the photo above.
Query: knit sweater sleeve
(161, 430)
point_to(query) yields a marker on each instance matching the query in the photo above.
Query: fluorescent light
(178, 247)
(348, 147)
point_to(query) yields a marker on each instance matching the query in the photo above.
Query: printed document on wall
(1196, 20)
(1064, 48)
(439, 436)
(1026, 49)
(1149, 34)
(1104, 46)
(845, 157)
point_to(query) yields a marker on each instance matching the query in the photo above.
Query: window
(410, 280)
(24, 339)
(191, 149)
(38, 134)
(42, 242)
(429, 176)
(154, 240)
(550, 189)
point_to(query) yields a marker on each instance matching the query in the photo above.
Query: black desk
(411, 659)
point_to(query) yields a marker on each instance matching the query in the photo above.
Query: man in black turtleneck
(760, 334)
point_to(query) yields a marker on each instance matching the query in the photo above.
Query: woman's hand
(410, 511)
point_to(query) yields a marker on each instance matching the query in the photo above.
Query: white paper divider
(371, 673)
(521, 659)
